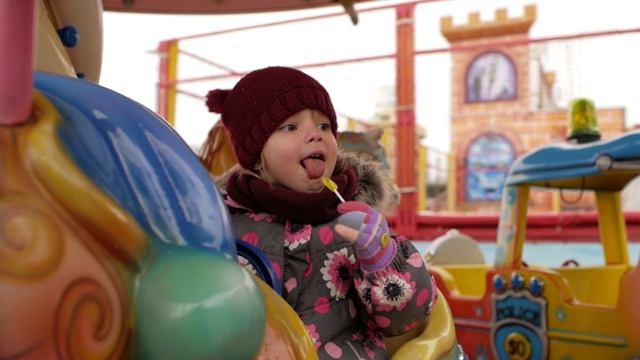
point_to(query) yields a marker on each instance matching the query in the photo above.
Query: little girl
(345, 274)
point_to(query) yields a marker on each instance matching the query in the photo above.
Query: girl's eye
(288, 128)
(324, 126)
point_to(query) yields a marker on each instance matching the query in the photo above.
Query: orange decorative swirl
(90, 324)
(30, 241)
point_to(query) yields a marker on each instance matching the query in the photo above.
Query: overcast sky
(604, 69)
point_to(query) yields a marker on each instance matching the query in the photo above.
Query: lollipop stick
(331, 185)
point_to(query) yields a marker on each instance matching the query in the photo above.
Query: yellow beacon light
(583, 123)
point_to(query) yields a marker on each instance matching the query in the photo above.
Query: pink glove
(368, 231)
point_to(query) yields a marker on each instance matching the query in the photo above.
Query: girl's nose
(314, 134)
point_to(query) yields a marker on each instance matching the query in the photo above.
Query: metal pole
(167, 91)
(406, 216)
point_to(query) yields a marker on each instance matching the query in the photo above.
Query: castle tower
(489, 102)
(495, 114)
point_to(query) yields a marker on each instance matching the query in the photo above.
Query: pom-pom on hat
(261, 101)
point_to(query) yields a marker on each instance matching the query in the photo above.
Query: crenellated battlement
(501, 25)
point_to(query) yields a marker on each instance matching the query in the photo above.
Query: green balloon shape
(195, 304)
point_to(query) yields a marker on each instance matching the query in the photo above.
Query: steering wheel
(570, 262)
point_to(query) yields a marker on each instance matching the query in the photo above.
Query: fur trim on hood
(374, 183)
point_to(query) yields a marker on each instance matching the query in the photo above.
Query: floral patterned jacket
(346, 311)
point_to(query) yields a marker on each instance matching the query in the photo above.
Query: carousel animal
(109, 222)
(84, 269)
(366, 144)
(216, 154)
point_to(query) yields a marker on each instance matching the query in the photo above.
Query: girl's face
(300, 152)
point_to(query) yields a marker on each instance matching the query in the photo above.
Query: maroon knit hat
(261, 101)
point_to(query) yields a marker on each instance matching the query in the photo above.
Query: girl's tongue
(314, 167)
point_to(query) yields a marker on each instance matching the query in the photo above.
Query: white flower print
(394, 290)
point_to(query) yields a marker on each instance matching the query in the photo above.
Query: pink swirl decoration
(89, 325)
(30, 240)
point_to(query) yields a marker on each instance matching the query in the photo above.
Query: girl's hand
(368, 231)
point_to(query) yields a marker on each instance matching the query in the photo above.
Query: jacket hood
(375, 186)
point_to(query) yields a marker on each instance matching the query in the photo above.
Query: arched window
(489, 158)
(491, 76)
